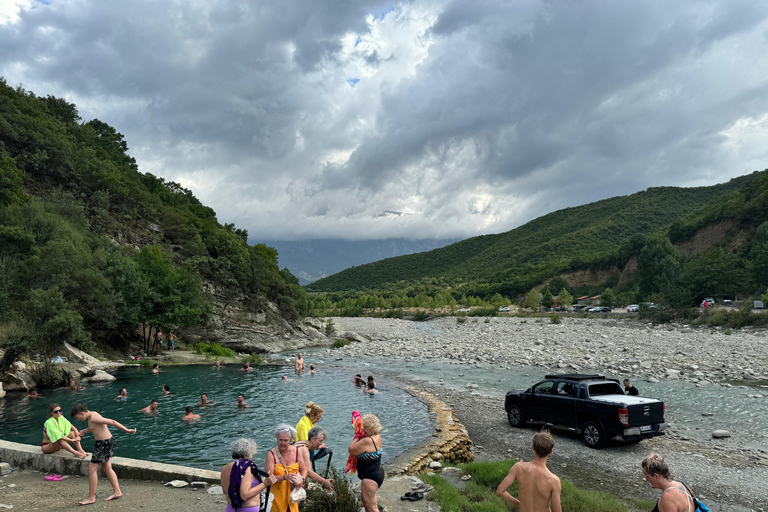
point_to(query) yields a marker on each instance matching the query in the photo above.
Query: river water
(692, 411)
(205, 444)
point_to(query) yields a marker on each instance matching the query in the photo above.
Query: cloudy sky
(424, 119)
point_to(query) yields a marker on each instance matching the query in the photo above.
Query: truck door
(540, 401)
(563, 404)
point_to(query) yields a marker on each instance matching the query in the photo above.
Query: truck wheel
(592, 434)
(515, 416)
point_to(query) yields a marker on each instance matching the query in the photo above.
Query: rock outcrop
(18, 378)
(263, 332)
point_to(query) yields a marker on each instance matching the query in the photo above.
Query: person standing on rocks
(629, 389)
(538, 487)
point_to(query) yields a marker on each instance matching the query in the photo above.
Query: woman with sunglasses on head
(58, 432)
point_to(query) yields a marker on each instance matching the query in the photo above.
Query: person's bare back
(537, 486)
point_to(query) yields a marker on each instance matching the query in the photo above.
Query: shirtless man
(241, 403)
(299, 365)
(151, 408)
(190, 416)
(537, 486)
(103, 451)
(123, 396)
(204, 401)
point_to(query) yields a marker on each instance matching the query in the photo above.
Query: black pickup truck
(592, 404)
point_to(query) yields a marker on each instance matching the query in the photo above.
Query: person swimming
(123, 396)
(190, 415)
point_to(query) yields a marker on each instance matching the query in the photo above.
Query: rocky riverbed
(701, 355)
(729, 475)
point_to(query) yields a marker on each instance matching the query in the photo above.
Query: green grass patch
(252, 358)
(210, 350)
(340, 342)
(149, 363)
(480, 493)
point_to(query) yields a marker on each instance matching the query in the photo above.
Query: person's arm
(358, 446)
(246, 491)
(303, 468)
(325, 482)
(74, 434)
(501, 490)
(555, 498)
(112, 423)
(269, 467)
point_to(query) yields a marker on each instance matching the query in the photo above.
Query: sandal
(407, 496)
(54, 478)
(416, 496)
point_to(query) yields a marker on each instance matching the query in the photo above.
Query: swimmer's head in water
(240, 399)
(166, 387)
(203, 397)
(188, 409)
(285, 377)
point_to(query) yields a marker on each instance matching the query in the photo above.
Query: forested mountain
(310, 260)
(91, 248)
(600, 234)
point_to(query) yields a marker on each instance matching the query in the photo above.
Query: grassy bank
(479, 495)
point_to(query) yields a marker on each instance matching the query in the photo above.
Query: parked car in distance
(709, 300)
(633, 308)
(727, 302)
(591, 404)
(560, 308)
(504, 309)
(648, 305)
(464, 310)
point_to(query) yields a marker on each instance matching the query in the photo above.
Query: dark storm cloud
(301, 119)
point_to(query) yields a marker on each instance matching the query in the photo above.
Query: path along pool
(206, 444)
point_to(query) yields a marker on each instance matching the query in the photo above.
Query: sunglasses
(57, 411)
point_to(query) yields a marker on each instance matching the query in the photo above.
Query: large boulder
(18, 378)
(78, 356)
(100, 376)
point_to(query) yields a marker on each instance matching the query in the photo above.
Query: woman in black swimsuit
(367, 450)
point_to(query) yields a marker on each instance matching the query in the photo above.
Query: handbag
(698, 506)
(296, 495)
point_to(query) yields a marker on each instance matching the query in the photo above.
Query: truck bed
(624, 399)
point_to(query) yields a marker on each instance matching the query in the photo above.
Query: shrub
(420, 316)
(47, 376)
(342, 499)
(461, 320)
(252, 358)
(340, 342)
(555, 319)
(484, 312)
(330, 327)
(213, 350)
(727, 332)
(394, 313)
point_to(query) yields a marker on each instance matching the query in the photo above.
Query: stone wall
(25, 456)
(450, 442)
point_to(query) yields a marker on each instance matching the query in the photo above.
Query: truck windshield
(605, 388)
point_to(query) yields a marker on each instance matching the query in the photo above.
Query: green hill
(600, 233)
(92, 249)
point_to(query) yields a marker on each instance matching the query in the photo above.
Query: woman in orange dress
(286, 464)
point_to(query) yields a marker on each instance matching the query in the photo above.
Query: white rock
(176, 484)
(719, 434)
(101, 376)
(435, 465)
(198, 485)
(5, 468)
(215, 490)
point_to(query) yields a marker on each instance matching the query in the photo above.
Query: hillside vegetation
(92, 249)
(513, 262)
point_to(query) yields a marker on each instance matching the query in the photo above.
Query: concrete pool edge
(27, 456)
(450, 440)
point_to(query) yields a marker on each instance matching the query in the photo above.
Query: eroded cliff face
(233, 327)
(728, 233)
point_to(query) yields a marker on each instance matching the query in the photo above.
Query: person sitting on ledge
(58, 432)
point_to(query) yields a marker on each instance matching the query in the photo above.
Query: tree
(564, 298)
(547, 301)
(558, 283)
(659, 265)
(11, 181)
(758, 254)
(533, 299)
(174, 298)
(608, 298)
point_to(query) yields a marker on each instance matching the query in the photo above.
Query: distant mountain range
(310, 260)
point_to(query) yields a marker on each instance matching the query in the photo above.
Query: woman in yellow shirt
(312, 415)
